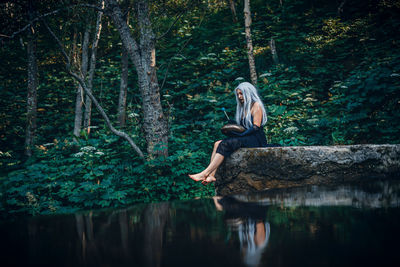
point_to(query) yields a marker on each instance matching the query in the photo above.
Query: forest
(108, 103)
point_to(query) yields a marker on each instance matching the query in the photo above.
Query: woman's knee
(216, 144)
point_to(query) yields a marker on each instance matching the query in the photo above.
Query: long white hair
(251, 252)
(250, 96)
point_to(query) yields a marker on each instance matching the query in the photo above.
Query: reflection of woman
(253, 237)
(250, 113)
(248, 219)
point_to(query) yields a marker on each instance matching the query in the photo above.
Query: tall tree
(233, 10)
(250, 55)
(273, 51)
(79, 91)
(143, 57)
(92, 67)
(123, 89)
(31, 113)
(88, 92)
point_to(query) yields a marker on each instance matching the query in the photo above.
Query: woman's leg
(214, 164)
(211, 177)
(195, 176)
(216, 144)
(216, 160)
(227, 146)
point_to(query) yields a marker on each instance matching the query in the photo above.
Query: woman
(250, 113)
(248, 220)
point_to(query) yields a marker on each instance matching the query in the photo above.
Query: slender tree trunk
(123, 88)
(155, 124)
(92, 67)
(250, 55)
(89, 93)
(143, 57)
(273, 51)
(74, 51)
(123, 85)
(79, 91)
(31, 113)
(104, 115)
(233, 10)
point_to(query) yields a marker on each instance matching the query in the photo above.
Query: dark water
(350, 225)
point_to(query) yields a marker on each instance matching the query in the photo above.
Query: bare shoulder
(256, 107)
(256, 112)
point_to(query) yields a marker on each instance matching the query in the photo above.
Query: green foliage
(368, 102)
(337, 82)
(98, 173)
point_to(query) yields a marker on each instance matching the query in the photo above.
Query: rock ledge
(256, 169)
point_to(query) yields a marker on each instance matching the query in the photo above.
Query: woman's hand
(247, 132)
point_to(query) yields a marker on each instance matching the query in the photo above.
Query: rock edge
(256, 169)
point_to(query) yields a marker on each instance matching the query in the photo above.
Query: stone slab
(257, 169)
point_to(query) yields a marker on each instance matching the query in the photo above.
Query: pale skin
(259, 237)
(208, 174)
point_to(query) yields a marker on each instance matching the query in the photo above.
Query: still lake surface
(343, 225)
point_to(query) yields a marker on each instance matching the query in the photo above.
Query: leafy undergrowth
(64, 177)
(337, 82)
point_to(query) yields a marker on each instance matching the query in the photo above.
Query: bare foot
(208, 180)
(197, 177)
(216, 202)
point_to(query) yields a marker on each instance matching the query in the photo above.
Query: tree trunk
(31, 113)
(123, 88)
(104, 115)
(92, 67)
(123, 85)
(79, 91)
(247, 23)
(143, 57)
(273, 51)
(89, 93)
(233, 10)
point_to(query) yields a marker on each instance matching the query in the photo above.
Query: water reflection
(376, 194)
(334, 226)
(253, 238)
(155, 218)
(248, 220)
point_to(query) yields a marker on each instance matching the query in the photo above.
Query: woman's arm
(256, 111)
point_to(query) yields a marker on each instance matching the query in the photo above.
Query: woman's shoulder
(255, 106)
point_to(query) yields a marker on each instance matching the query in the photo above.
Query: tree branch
(170, 27)
(49, 14)
(30, 23)
(169, 62)
(59, 44)
(94, 100)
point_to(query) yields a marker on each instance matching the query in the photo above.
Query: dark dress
(231, 144)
